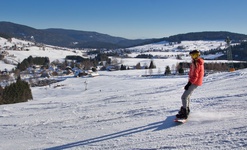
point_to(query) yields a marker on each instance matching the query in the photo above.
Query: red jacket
(196, 73)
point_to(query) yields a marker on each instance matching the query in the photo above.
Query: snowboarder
(196, 75)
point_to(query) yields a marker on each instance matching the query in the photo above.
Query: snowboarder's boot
(188, 111)
(180, 111)
(183, 113)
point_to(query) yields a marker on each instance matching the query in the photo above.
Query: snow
(122, 110)
(187, 45)
(54, 53)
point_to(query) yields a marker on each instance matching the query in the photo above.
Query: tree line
(28, 62)
(215, 66)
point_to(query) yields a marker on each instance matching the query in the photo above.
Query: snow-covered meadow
(121, 110)
(187, 45)
(15, 56)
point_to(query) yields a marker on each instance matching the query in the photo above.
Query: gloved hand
(187, 85)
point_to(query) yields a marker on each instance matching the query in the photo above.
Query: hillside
(17, 56)
(208, 36)
(86, 39)
(66, 38)
(123, 111)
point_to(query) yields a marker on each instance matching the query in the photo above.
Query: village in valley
(35, 61)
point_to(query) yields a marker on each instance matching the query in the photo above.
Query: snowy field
(123, 111)
(54, 53)
(187, 45)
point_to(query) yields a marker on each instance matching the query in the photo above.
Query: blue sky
(130, 19)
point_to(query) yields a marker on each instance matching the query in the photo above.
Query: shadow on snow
(157, 126)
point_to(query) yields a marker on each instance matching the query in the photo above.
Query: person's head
(195, 54)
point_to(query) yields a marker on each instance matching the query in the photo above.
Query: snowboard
(180, 120)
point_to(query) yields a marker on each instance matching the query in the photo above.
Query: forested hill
(207, 35)
(67, 38)
(86, 39)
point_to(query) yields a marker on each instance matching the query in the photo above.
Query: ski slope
(123, 111)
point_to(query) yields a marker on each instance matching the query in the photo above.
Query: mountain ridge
(91, 39)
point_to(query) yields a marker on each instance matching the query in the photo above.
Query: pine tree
(181, 70)
(17, 92)
(151, 66)
(167, 71)
(138, 66)
(123, 67)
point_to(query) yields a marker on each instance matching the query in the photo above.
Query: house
(45, 74)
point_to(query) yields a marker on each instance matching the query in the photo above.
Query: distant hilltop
(86, 39)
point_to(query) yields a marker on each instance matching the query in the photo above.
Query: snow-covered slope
(186, 45)
(121, 110)
(15, 56)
